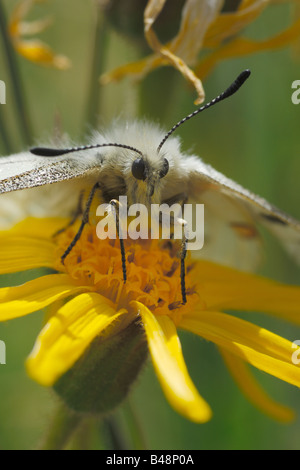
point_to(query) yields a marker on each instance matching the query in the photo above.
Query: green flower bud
(101, 379)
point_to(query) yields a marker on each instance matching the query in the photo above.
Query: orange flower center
(152, 269)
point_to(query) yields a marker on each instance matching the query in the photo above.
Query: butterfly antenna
(234, 87)
(50, 152)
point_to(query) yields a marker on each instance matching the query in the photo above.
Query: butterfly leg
(76, 214)
(116, 205)
(85, 220)
(181, 199)
(182, 268)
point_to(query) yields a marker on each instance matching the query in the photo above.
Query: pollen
(152, 269)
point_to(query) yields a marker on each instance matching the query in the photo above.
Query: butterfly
(141, 161)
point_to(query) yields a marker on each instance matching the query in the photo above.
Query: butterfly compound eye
(164, 169)
(138, 169)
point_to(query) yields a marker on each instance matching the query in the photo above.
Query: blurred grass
(252, 138)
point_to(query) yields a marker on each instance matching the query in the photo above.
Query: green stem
(64, 424)
(135, 429)
(83, 436)
(22, 111)
(113, 434)
(101, 37)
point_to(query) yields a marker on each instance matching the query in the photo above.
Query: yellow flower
(213, 26)
(33, 49)
(90, 300)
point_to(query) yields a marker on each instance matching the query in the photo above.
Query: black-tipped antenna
(48, 152)
(234, 87)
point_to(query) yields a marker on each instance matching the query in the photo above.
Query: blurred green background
(252, 138)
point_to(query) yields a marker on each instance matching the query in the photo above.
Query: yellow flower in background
(211, 26)
(90, 301)
(33, 49)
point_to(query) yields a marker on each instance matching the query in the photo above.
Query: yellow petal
(223, 288)
(36, 51)
(33, 227)
(23, 253)
(34, 27)
(137, 70)
(152, 10)
(35, 295)
(264, 350)
(240, 47)
(67, 334)
(253, 391)
(186, 71)
(296, 44)
(18, 13)
(166, 353)
(230, 24)
(197, 16)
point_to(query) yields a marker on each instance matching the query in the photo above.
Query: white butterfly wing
(25, 170)
(232, 214)
(50, 186)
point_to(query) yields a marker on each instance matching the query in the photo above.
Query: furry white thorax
(145, 137)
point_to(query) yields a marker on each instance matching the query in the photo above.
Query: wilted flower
(33, 49)
(213, 26)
